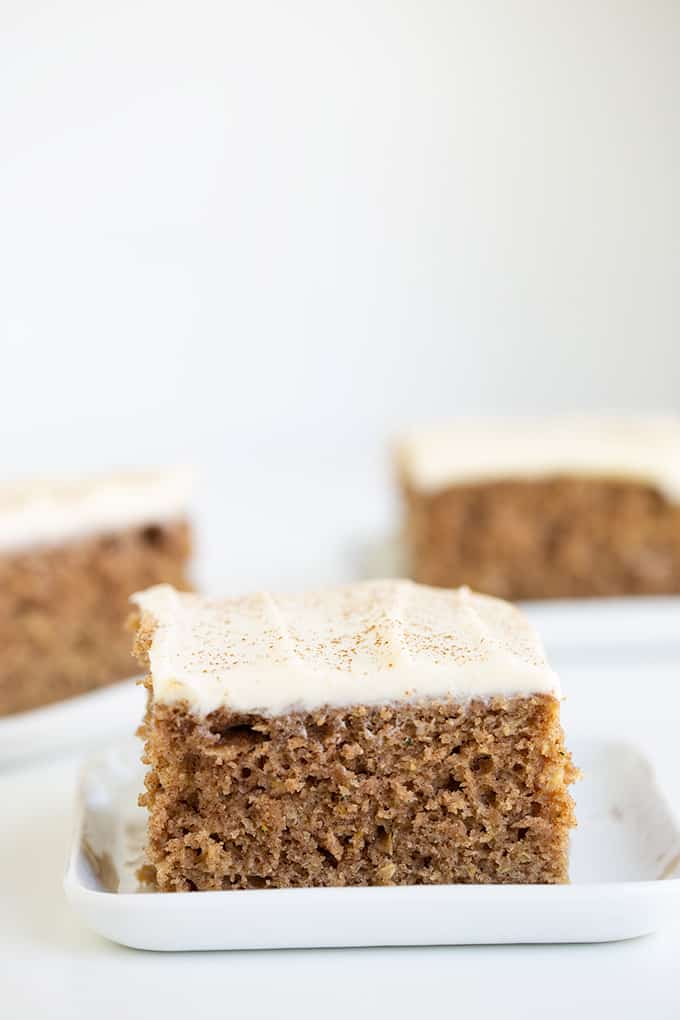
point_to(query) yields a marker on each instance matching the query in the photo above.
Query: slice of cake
(71, 553)
(382, 733)
(543, 509)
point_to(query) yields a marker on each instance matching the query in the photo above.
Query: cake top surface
(645, 450)
(42, 512)
(364, 643)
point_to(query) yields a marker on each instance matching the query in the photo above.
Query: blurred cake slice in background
(542, 509)
(71, 553)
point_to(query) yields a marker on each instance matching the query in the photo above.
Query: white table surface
(52, 967)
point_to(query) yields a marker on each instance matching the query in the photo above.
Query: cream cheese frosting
(645, 450)
(367, 643)
(47, 512)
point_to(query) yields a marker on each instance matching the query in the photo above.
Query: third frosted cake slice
(372, 734)
(555, 508)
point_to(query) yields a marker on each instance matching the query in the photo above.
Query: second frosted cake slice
(372, 734)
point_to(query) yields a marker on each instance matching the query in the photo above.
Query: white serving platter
(632, 625)
(625, 868)
(100, 716)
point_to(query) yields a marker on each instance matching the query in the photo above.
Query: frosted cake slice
(71, 553)
(549, 508)
(374, 734)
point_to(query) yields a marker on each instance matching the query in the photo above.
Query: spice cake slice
(71, 553)
(374, 734)
(555, 508)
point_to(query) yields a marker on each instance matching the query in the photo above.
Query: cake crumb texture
(438, 792)
(559, 537)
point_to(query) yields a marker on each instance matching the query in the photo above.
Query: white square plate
(625, 868)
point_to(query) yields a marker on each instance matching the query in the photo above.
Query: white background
(283, 229)
(264, 236)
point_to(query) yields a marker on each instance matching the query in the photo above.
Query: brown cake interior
(437, 792)
(62, 610)
(561, 537)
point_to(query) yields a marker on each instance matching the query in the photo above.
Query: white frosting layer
(645, 450)
(42, 512)
(367, 643)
